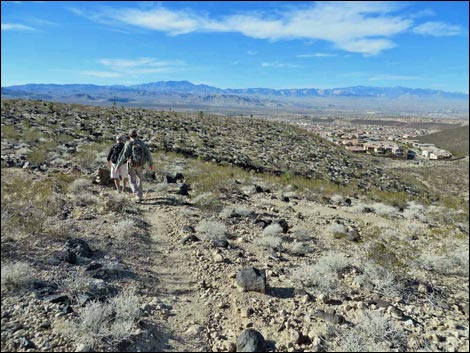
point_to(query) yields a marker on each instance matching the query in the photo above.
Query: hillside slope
(454, 140)
(86, 269)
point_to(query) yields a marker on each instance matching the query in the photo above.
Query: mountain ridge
(189, 87)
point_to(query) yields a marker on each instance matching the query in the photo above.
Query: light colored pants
(134, 174)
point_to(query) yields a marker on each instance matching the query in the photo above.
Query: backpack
(138, 157)
(117, 148)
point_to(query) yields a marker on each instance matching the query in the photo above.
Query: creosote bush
(101, 324)
(16, 275)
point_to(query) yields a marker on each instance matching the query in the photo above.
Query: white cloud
(135, 67)
(359, 27)
(103, 74)
(252, 52)
(277, 64)
(16, 27)
(316, 55)
(437, 29)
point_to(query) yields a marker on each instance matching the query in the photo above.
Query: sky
(235, 44)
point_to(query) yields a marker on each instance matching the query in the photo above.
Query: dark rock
(259, 189)
(94, 266)
(251, 340)
(189, 238)
(188, 229)
(252, 279)
(304, 340)
(57, 298)
(285, 199)
(183, 190)
(329, 317)
(283, 224)
(79, 247)
(26, 343)
(220, 243)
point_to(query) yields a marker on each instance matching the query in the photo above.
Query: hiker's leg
(124, 182)
(133, 177)
(125, 175)
(116, 182)
(140, 173)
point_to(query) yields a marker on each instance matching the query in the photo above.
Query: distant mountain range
(185, 93)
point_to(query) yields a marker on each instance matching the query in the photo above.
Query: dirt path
(177, 288)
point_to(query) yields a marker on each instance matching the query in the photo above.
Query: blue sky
(237, 44)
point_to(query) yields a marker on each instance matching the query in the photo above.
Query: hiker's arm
(109, 155)
(149, 157)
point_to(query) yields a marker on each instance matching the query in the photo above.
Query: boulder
(252, 279)
(251, 340)
(79, 247)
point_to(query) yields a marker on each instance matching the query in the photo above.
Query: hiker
(135, 154)
(120, 173)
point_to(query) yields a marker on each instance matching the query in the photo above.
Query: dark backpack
(117, 148)
(138, 157)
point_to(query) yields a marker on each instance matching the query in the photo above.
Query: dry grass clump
(337, 230)
(124, 228)
(27, 204)
(322, 276)
(102, 324)
(85, 199)
(79, 186)
(269, 241)
(452, 261)
(372, 333)
(300, 248)
(272, 230)
(415, 211)
(384, 210)
(16, 275)
(380, 280)
(119, 203)
(212, 230)
(235, 211)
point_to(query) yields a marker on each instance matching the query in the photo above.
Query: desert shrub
(356, 208)
(212, 230)
(119, 203)
(336, 198)
(124, 228)
(301, 234)
(26, 204)
(235, 211)
(415, 211)
(337, 230)
(85, 199)
(16, 275)
(380, 280)
(269, 241)
(98, 324)
(272, 230)
(384, 210)
(323, 275)
(373, 333)
(453, 261)
(79, 185)
(300, 248)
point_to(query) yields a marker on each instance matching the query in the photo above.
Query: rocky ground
(334, 269)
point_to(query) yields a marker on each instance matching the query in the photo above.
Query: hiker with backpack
(113, 157)
(135, 154)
